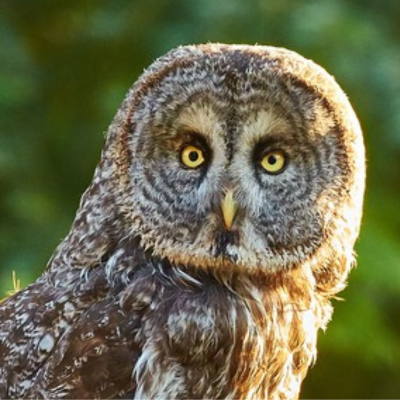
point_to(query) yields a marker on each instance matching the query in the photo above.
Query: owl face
(237, 162)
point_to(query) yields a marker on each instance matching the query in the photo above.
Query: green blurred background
(65, 68)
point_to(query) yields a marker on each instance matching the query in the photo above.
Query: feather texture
(151, 295)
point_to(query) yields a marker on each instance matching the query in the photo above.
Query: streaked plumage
(157, 293)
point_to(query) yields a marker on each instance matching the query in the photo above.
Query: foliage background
(64, 69)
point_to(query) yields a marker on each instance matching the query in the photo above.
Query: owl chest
(200, 344)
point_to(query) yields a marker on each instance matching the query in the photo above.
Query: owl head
(245, 158)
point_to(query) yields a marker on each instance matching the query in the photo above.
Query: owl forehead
(215, 80)
(242, 128)
(222, 98)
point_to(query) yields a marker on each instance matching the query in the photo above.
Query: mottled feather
(153, 294)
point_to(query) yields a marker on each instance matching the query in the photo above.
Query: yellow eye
(274, 162)
(192, 157)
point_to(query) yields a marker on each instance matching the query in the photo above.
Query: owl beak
(229, 208)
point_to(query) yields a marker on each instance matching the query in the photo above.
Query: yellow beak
(229, 208)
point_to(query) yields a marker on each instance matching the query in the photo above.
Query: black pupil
(272, 160)
(193, 156)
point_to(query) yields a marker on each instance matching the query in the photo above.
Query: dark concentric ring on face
(168, 197)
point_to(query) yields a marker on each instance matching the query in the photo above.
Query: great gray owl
(219, 223)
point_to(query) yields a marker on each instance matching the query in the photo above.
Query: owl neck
(255, 336)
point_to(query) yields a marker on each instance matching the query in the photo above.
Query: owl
(220, 222)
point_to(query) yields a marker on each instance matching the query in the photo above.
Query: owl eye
(274, 162)
(192, 157)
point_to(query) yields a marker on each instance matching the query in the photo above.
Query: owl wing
(63, 343)
(94, 358)
(25, 320)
